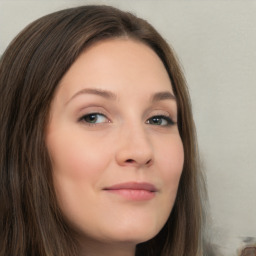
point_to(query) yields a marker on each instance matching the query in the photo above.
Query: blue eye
(160, 120)
(94, 118)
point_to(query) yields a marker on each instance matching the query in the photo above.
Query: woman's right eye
(94, 118)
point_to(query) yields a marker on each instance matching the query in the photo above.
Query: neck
(99, 249)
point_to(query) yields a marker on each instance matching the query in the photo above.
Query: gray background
(215, 41)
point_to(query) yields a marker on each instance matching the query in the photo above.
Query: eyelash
(167, 119)
(83, 118)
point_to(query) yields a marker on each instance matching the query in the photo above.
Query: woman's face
(114, 143)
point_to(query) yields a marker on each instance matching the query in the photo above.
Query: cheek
(77, 169)
(171, 160)
(75, 156)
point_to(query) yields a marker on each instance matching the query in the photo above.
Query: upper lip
(133, 186)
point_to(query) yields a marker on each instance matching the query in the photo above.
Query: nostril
(148, 162)
(133, 161)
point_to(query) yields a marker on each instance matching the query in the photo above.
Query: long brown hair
(31, 68)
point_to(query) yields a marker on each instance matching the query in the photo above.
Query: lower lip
(133, 194)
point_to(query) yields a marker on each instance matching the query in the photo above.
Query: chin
(135, 234)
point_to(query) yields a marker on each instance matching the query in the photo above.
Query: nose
(134, 148)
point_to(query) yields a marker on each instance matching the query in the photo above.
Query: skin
(133, 139)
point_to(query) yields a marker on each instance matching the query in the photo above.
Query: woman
(98, 152)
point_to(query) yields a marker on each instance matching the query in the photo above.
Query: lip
(137, 191)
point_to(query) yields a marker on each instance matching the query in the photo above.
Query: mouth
(133, 190)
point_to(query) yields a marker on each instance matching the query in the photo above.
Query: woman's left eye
(160, 120)
(94, 118)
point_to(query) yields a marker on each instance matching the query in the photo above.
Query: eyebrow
(103, 93)
(159, 96)
(163, 96)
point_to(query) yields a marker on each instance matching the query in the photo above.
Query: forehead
(117, 64)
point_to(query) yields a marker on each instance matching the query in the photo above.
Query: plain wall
(216, 43)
